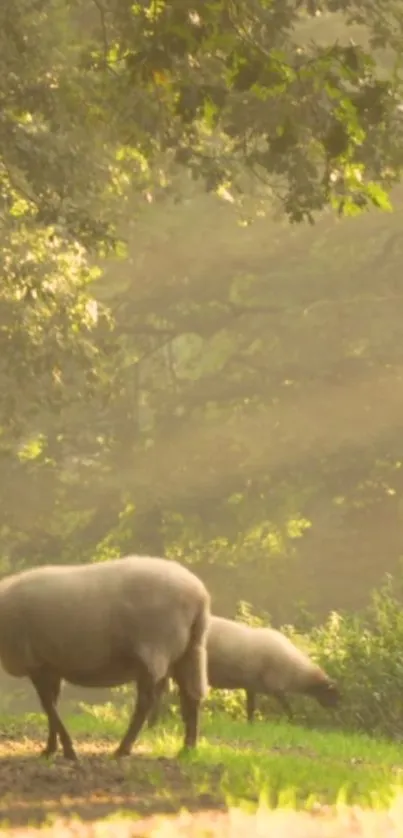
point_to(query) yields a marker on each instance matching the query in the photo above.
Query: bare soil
(34, 790)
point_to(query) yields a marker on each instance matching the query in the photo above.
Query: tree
(230, 92)
(141, 422)
(55, 181)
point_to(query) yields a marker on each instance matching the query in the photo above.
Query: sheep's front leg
(47, 686)
(144, 703)
(285, 705)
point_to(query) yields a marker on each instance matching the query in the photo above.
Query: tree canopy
(94, 93)
(174, 397)
(238, 94)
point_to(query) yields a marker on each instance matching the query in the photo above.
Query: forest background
(201, 301)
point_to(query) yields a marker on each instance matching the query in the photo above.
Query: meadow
(243, 778)
(326, 774)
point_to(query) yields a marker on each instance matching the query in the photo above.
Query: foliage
(102, 96)
(229, 92)
(364, 653)
(156, 407)
(361, 652)
(54, 150)
(54, 171)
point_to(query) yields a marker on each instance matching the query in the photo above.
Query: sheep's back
(286, 666)
(259, 659)
(82, 617)
(232, 659)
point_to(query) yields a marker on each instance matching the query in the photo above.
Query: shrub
(365, 654)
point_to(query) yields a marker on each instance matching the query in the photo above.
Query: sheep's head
(325, 691)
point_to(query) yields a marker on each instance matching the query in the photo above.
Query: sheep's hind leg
(47, 688)
(51, 745)
(155, 711)
(144, 703)
(190, 708)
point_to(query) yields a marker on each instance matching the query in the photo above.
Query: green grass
(277, 763)
(281, 762)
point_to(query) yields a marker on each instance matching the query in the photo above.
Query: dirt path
(32, 789)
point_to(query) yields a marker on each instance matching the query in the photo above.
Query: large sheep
(103, 625)
(259, 660)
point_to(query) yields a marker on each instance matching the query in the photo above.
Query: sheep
(103, 625)
(258, 660)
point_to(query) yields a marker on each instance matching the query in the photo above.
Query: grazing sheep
(259, 660)
(103, 625)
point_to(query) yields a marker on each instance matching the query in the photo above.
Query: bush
(362, 652)
(365, 654)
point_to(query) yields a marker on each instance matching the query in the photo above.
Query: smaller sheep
(105, 624)
(259, 660)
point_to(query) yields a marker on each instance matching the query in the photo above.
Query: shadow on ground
(33, 790)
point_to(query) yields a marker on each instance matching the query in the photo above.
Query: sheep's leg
(155, 710)
(51, 745)
(145, 701)
(284, 704)
(250, 706)
(190, 715)
(44, 683)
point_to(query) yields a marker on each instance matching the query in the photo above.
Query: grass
(302, 782)
(241, 764)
